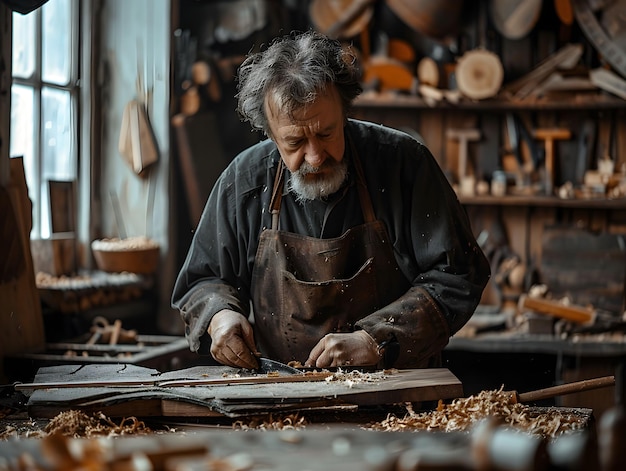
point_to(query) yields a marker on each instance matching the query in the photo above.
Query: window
(44, 101)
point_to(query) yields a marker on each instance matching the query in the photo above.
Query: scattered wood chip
(462, 414)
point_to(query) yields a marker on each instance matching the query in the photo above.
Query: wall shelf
(544, 201)
(582, 101)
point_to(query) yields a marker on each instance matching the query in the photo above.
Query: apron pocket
(334, 304)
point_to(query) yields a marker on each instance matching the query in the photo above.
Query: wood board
(345, 389)
(20, 306)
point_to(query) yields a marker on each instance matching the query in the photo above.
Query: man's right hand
(232, 340)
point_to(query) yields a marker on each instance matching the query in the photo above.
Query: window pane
(56, 37)
(57, 147)
(22, 132)
(23, 44)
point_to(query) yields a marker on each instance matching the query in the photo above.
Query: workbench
(524, 362)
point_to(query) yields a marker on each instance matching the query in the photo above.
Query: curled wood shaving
(77, 424)
(270, 422)
(463, 413)
(350, 378)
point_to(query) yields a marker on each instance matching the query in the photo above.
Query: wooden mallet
(549, 135)
(464, 136)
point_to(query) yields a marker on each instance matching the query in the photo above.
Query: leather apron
(304, 287)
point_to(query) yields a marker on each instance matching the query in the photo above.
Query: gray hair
(294, 69)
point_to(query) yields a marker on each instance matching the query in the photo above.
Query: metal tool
(272, 366)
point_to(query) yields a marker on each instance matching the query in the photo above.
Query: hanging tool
(586, 139)
(549, 135)
(464, 137)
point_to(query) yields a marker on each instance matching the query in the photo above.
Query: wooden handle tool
(563, 389)
(464, 137)
(572, 313)
(549, 135)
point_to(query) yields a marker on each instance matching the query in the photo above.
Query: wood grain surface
(141, 390)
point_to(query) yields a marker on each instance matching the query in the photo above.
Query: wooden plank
(377, 388)
(20, 309)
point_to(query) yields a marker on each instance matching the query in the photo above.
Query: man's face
(311, 144)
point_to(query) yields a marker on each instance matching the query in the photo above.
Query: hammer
(464, 136)
(549, 135)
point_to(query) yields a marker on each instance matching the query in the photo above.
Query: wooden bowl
(133, 255)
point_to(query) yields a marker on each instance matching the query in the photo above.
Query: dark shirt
(431, 235)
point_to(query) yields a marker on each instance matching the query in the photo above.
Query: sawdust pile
(462, 414)
(77, 424)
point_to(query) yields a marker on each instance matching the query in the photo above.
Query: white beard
(318, 189)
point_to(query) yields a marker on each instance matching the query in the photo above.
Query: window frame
(41, 205)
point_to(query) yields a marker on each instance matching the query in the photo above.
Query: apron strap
(277, 193)
(364, 196)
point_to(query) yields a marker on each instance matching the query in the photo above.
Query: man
(334, 242)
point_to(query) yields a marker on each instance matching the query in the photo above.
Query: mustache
(326, 185)
(306, 168)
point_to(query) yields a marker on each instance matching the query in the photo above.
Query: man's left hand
(350, 349)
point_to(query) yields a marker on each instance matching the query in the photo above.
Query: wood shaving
(270, 422)
(353, 377)
(130, 243)
(80, 282)
(77, 424)
(462, 414)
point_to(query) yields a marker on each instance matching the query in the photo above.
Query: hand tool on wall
(464, 137)
(585, 146)
(524, 147)
(549, 135)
